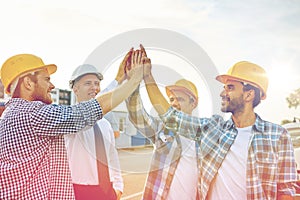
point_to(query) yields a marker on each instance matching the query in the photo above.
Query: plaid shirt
(33, 159)
(271, 167)
(167, 153)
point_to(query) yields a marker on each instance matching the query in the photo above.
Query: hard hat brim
(171, 88)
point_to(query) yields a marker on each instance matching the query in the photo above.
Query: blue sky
(265, 32)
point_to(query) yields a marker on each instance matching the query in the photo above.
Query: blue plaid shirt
(271, 166)
(33, 158)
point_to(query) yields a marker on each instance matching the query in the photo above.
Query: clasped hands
(135, 65)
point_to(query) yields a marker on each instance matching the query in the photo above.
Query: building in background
(60, 96)
(294, 130)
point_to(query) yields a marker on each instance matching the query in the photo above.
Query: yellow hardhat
(19, 64)
(185, 86)
(249, 73)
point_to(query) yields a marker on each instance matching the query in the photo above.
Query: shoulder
(269, 127)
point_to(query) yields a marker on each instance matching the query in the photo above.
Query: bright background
(64, 32)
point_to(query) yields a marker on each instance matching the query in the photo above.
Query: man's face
(181, 101)
(232, 97)
(87, 87)
(43, 87)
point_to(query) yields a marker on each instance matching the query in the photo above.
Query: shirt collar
(258, 125)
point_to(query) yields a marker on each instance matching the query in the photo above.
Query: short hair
(257, 92)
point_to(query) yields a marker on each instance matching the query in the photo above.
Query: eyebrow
(229, 85)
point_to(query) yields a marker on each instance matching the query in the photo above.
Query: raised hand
(146, 62)
(124, 66)
(136, 65)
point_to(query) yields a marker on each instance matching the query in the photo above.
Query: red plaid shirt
(33, 159)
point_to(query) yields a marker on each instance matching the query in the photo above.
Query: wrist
(119, 80)
(148, 77)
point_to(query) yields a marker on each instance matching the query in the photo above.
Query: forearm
(157, 99)
(110, 100)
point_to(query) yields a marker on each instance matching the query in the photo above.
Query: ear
(249, 96)
(28, 83)
(75, 89)
(194, 104)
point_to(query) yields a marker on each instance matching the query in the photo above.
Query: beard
(233, 105)
(41, 95)
(45, 100)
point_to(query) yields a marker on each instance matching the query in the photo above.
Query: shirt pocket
(266, 166)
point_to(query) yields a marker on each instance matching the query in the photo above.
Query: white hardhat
(83, 70)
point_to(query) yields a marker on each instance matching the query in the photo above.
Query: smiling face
(232, 97)
(181, 101)
(42, 87)
(87, 87)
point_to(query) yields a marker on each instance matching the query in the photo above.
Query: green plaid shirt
(271, 166)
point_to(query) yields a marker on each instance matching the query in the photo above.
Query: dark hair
(257, 97)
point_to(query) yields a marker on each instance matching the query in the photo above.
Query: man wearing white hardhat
(244, 157)
(86, 163)
(33, 157)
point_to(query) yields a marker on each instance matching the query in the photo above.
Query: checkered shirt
(166, 155)
(271, 167)
(33, 159)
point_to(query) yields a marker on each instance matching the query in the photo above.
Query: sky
(65, 33)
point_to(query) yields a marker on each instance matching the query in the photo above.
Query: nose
(223, 93)
(51, 86)
(174, 103)
(96, 87)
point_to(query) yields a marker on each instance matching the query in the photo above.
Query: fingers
(143, 49)
(127, 60)
(136, 58)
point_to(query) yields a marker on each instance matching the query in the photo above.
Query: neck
(244, 119)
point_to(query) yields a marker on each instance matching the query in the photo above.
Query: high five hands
(133, 62)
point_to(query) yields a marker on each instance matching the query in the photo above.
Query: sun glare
(285, 78)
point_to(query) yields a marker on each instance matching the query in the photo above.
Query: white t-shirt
(81, 152)
(184, 184)
(82, 156)
(230, 182)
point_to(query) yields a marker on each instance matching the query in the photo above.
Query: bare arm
(110, 100)
(157, 99)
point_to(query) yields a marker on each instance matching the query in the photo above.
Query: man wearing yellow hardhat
(33, 158)
(173, 170)
(244, 157)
